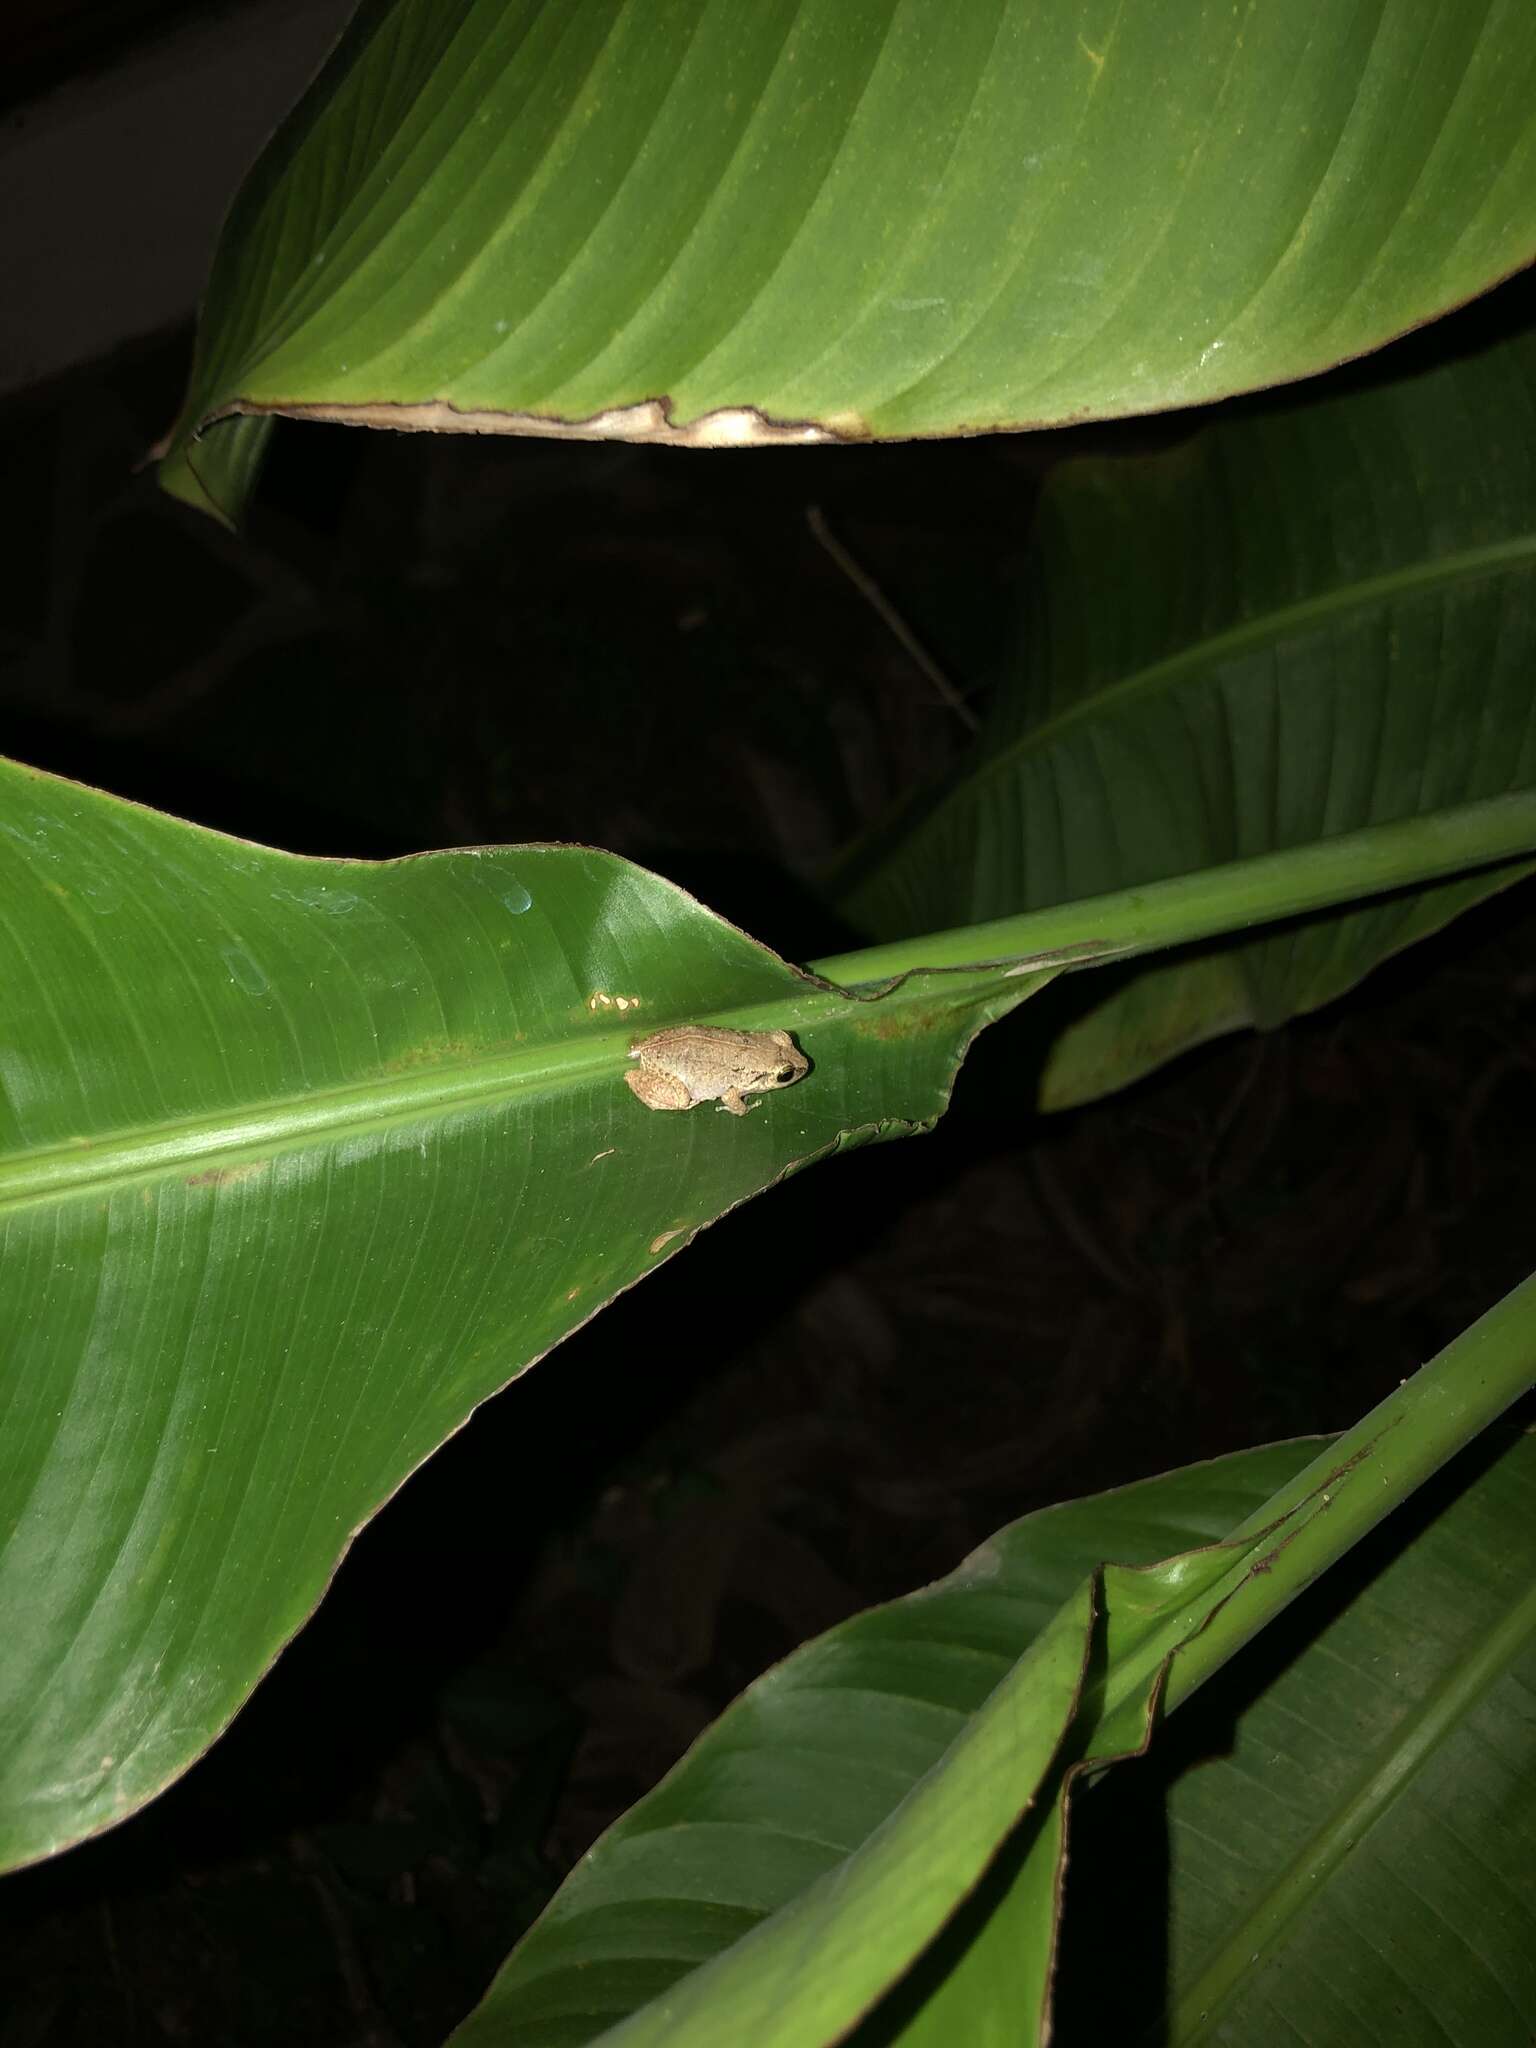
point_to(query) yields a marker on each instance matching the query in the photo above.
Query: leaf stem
(1218, 900)
(1363, 1475)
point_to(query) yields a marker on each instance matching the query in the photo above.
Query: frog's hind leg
(658, 1091)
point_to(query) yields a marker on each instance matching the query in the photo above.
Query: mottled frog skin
(701, 1063)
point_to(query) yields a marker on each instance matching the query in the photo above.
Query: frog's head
(790, 1067)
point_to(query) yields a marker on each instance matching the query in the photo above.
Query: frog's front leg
(732, 1100)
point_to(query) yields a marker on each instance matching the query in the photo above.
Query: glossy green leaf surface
(1301, 622)
(299, 1161)
(1351, 1811)
(887, 1877)
(812, 220)
(846, 1773)
(1166, 1631)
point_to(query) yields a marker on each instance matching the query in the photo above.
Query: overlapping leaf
(1299, 623)
(1380, 1783)
(848, 1777)
(820, 219)
(1350, 1815)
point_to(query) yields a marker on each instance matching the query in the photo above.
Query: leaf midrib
(289, 1122)
(55, 1172)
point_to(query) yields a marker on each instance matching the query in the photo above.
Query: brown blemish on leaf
(434, 1055)
(443, 1051)
(660, 1243)
(890, 1026)
(846, 425)
(224, 1176)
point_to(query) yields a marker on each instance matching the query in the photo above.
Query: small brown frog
(701, 1063)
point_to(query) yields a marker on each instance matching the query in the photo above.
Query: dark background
(425, 642)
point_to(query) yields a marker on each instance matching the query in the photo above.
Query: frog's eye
(783, 1074)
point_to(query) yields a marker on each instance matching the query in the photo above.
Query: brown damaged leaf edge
(648, 422)
(651, 420)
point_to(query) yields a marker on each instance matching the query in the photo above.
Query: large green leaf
(299, 1161)
(1350, 1812)
(830, 1879)
(801, 220)
(1298, 623)
(847, 1777)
